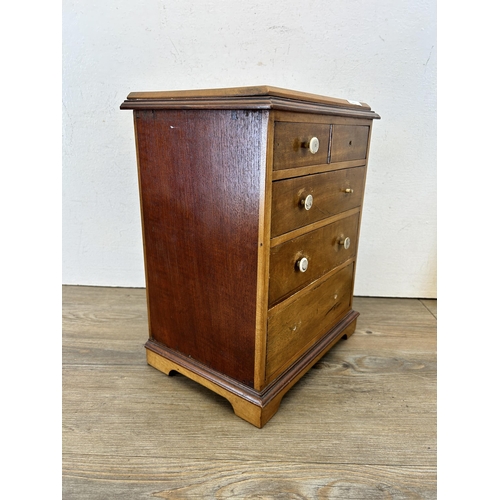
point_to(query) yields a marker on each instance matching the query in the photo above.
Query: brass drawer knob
(313, 145)
(302, 264)
(345, 242)
(348, 190)
(307, 202)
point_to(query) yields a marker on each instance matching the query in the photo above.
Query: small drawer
(324, 248)
(300, 144)
(349, 142)
(295, 327)
(332, 193)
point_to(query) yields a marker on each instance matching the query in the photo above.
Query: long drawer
(332, 192)
(294, 327)
(324, 248)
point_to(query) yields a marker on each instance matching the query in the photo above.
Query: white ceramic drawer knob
(302, 264)
(345, 242)
(313, 145)
(348, 190)
(307, 202)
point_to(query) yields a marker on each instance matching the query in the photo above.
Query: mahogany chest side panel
(200, 175)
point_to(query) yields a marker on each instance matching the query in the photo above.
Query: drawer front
(298, 325)
(324, 249)
(291, 144)
(349, 142)
(329, 198)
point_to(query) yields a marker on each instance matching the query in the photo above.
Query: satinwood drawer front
(295, 326)
(350, 142)
(324, 248)
(331, 192)
(300, 144)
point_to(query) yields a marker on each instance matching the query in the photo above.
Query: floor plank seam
(427, 308)
(102, 365)
(270, 462)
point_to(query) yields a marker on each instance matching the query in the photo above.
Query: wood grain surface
(249, 98)
(329, 198)
(200, 207)
(260, 90)
(360, 425)
(291, 142)
(297, 325)
(321, 247)
(349, 142)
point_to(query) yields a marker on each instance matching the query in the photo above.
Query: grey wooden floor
(360, 425)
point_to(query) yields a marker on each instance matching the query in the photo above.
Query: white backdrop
(381, 52)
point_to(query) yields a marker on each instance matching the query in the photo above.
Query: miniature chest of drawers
(251, 201)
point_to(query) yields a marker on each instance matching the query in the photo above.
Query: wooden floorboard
(360, 425)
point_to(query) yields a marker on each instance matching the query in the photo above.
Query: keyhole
(350, 143)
